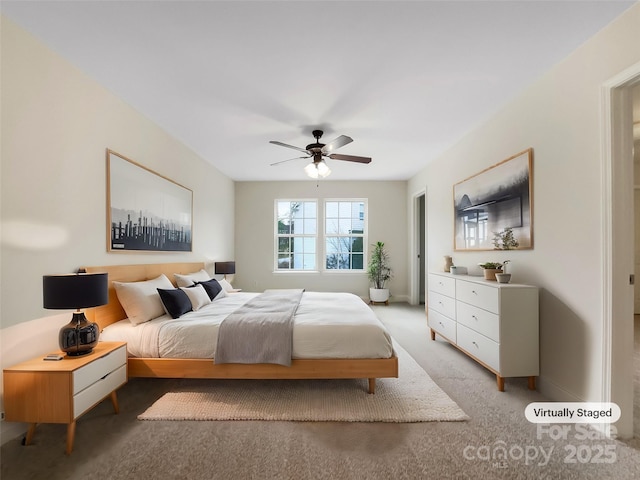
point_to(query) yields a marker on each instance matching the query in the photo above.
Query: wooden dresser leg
(30, 433)
(532, 383)
(433, 334)
(500, 381)
(372, 385)
(71, 434)
(114, 401)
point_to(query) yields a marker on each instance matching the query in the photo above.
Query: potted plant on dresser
(379, 272)
(490, 269)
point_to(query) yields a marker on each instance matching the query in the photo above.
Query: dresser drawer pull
(475, 344)
(474, 292)
(474, 317)
(441, 323)
(106, 375)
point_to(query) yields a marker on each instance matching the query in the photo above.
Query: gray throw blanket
(260, 331)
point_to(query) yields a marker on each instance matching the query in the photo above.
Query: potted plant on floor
(379, 272)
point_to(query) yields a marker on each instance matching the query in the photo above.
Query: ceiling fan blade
(288, 146)
(350, 158)
(288, 160)
(341, 141)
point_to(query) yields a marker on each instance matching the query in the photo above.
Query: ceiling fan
(318, 151)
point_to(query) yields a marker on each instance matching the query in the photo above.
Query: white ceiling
(406, 80)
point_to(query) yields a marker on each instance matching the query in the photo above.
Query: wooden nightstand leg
(71, 434)
(372, 385)
(30, 433)
(114, 401)
(500, 381)
(433, 334)
(532, 383)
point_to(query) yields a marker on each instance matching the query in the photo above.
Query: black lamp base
(79, 336)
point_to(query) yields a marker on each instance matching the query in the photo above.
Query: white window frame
(365, 236)
(277, 235)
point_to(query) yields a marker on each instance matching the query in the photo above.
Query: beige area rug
(413, 397)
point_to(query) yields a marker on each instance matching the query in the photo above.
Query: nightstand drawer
(91, 395)
(94, 371)
(481, 347)
(480, 320)
(442, 304)
(479, 295)
(443, 285)
(442, 325)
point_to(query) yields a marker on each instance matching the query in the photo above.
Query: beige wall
(56, 126)
(560, 117)
(387, 222)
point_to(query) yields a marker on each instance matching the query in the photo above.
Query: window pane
(283, 226)
(284, 261)
(332, 244)
(310, 226)
(310, 210)
(331, 210)
(357, 261)
(345, 226)
(309, 262)
(309, 245)
(357, 244)
(298, 263)
(283, 244)
(331, 227)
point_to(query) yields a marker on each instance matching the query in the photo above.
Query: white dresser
(496, 324)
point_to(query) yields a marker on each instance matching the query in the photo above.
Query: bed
(309, 361)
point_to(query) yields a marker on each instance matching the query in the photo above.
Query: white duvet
(327, 325)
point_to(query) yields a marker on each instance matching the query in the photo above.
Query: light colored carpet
(413, 397)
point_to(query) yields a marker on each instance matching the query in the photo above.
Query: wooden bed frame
(370, 368)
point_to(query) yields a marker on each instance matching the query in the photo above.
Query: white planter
(379, 294)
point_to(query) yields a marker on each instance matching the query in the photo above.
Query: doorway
(635, 100)
(418, 250)
(618, 246)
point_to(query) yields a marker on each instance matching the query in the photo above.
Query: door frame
(618, 245)
(414, 250)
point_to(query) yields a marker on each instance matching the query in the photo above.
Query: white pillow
(226, 286)
(140, 300)
(191, 278)
(198, 296)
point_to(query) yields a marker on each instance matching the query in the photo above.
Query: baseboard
(11, 430)
(555, 393)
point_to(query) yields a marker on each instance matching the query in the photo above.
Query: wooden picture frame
(146, 212)
(497, 198)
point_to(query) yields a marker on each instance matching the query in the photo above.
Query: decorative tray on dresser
(496, 324)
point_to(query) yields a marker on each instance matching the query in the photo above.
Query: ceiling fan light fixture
(319, 169)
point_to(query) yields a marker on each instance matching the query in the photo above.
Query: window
(344, 234)
(296, 234)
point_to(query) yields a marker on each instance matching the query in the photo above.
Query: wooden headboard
(113, 312)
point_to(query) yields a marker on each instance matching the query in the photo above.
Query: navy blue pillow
(212, 287)
(175, 301)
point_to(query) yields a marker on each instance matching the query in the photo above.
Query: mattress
(326, 325)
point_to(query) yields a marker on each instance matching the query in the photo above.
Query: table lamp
(76, 291)
(225, 268)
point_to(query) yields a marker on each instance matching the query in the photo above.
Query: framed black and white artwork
(498, 198)
(146, 211)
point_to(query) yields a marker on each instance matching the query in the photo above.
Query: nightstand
(40, 391)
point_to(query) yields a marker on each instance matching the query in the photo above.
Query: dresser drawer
(479, 295)
(443, 285)
(443, 304)
(442, 325)
(94, 371)
(481, 347)
(480, 320)
(91, 395)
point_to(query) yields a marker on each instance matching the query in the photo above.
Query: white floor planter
(379, 295)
